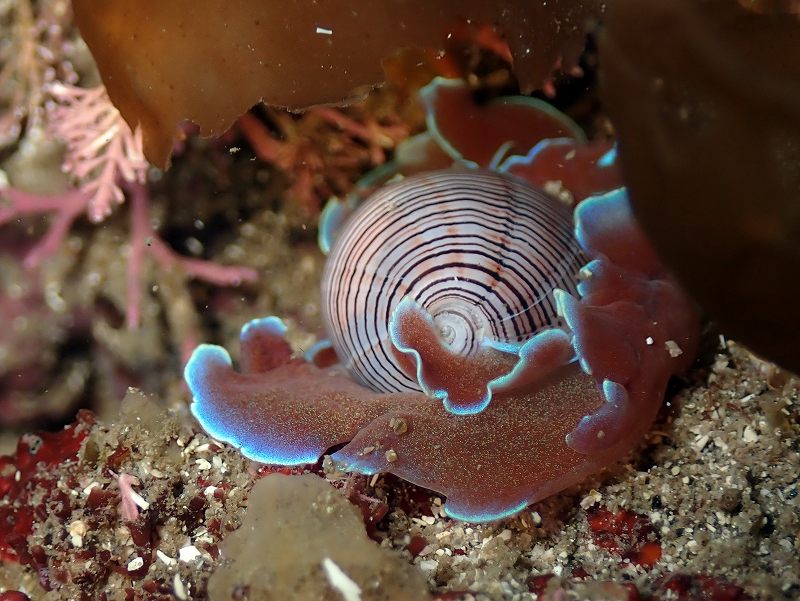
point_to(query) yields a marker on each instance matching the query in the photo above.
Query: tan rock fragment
(302, 540)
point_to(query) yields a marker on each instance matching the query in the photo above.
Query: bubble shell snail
(469, 358)
(475, 254)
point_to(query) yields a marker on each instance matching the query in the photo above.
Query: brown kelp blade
(704, 96)
(209, 61)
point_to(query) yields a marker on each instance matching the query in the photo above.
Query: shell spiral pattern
(479, 252)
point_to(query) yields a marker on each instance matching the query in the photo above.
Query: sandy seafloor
(717, 479)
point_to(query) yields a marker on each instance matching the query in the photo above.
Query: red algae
(538, 584)
(627, 534)
(14, 596)
(686, 587)
(60, 517)
(30, 471)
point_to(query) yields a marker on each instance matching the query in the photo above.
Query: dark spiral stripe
(468, 246)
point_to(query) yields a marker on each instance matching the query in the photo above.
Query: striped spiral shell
(480, 251)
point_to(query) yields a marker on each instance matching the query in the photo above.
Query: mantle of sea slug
(631, 329)
(488, 465)
(495, 463)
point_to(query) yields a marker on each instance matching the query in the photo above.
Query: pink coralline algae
(492, 422)
(105, 161)
(28, 486)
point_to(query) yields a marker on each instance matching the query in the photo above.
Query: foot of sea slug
(263, 346)
(491, 464)
(632, 327)
(278, 409)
